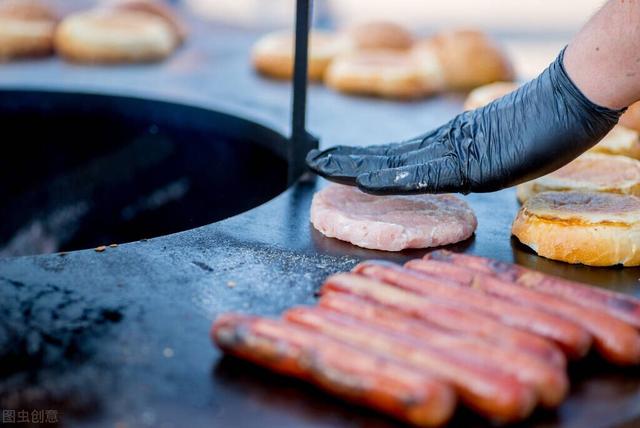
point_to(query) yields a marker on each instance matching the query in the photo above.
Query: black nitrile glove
(533, 131)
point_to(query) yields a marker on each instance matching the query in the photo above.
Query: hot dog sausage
(614, 339)
(550, 382)
(573, 339)
(622, 306)
(360, 377)
(491, 393)
(444, 315)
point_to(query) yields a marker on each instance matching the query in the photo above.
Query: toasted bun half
(158, 8)
(592, 228)
(483, 95)
(589, 172)
(26, 29)
(273, 54)
(620, 141)
(390, 74)
(631, 118)
(379, 35)
(114, 36)
(469, 58)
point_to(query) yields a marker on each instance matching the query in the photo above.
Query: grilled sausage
(622, 306)
(574, 340)
(614, 339)
(444, 315)
(492, 393)
(361, 377)
(550, 382)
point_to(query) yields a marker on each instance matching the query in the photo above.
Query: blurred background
(515, 22)
(505, 15)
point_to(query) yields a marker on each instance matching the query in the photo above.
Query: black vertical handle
(301, 141)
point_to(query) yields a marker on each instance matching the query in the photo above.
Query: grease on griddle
(48, 334)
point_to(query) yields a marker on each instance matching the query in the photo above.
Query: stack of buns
(384, 59)
(588, 211)
(589, 216)
(117, 31)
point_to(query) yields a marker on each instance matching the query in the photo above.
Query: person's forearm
(603, 60)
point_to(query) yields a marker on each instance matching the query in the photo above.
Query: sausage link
(573, 339)
(444, 315)
(550, 382)
(360, 377)
(614, 339)
(491, 393)
(622, 306)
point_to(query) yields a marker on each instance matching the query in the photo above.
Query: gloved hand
(533, 131)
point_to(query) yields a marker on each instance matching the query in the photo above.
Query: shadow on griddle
(615, 278)
(336, 247)
(283, 398)
(287, 400)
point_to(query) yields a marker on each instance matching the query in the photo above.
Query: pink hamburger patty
(391, 223)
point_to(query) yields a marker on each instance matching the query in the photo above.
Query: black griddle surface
(133, 322)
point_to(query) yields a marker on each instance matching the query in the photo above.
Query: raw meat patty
(391, 223)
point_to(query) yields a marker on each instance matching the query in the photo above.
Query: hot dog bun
(273, 54)
(114, 36)
(592, 228)
(590, 172)
(469, 58)
(26, 29)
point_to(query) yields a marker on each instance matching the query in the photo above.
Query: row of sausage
(411, 341)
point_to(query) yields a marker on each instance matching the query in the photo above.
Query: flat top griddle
(124, 333)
